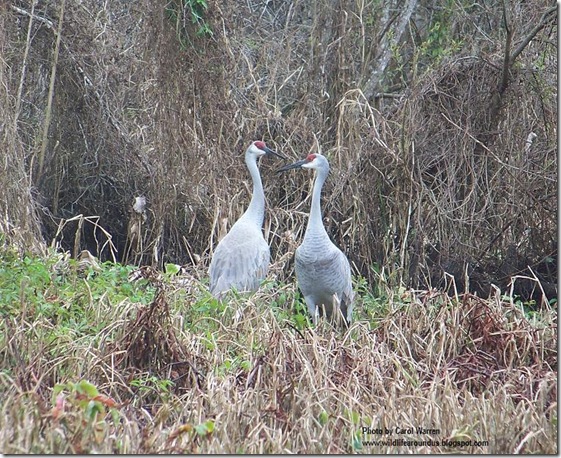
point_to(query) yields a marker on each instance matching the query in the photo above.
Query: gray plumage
(241, 259)
(322, 270)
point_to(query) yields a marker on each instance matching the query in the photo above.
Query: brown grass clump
(500, 350)
(149, 341)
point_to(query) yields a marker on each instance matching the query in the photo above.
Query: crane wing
(324, 272)
(239, 262)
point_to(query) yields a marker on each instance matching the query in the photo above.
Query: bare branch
(41, 19)
(373, 83)
(24, 64)
(506, 62)
(546, 18)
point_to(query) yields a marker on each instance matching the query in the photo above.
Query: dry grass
(430, 184)
(19, 223)
(428, 177)
(249, 378)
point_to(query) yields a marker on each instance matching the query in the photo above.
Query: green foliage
(286, 306)
(204, 314)
(371, 304)
(530, 309)
(205, 428)
(22, 280)
(232, 365)
(80, 410)
(323, 417)
(152, 386)
(183, 12)
(438, 43)
(171, 270)
(356, 440)
(63, 295)
(298, 315)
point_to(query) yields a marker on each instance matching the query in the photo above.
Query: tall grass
(106, 358)
(430, 174)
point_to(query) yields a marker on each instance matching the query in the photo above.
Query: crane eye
(310, 157)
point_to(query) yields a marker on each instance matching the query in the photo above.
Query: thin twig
(24, 64)
(547, 17)
(45, 21)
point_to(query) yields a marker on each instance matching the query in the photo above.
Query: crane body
(241, 259)
(322, 270)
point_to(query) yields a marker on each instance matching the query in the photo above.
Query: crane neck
(256, 210)
(315, 221)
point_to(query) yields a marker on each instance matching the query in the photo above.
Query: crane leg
(313, 309)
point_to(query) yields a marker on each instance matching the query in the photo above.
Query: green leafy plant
(152, 385)
(439, 41)
(81, 410)
(184, 12)
(205, 428)
(323, 417)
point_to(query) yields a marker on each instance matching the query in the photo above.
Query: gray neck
(256, 210)
(315, 223)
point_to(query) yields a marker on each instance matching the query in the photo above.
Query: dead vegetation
(442, 142)
(149, 341)
(442, 139)
(185, 375)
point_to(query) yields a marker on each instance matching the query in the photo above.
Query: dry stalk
(47, 121)
(81, 219)
(24, 65)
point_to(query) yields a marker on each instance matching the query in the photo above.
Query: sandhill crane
(323, 272)
(241, 259)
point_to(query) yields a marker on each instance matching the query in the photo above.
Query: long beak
(296, 165)
(269, 151)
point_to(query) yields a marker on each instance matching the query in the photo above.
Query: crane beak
(269, 151)
(296, 165)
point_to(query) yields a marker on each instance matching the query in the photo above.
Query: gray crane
(323, 272)
(241, 259)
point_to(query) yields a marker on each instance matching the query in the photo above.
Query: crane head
(312, 161)
(258, 149)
